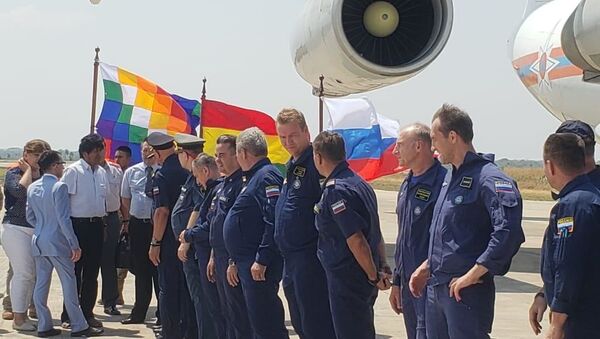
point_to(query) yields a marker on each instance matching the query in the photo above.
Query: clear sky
(242, 47)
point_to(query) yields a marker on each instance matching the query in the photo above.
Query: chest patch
(466, 182)
(458, 200)
(299, 171)
(504, 187)
(565, 227)
(338, 207)
(272, 191)
(297, 183)
(423, 194)
(417, 210)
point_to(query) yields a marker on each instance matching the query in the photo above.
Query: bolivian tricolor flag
(218, 118)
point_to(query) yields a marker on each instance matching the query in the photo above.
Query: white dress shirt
(113, 196)
(134, 184)
(87, 189)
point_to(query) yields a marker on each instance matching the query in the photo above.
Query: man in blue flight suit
(174, 298)
(206, 173)
(248, 233)
(475, 232)
(586, 133)
(226, 276)
(304, 281)
(184, 216)
(569, 265)
(416, 200)
(350, 240)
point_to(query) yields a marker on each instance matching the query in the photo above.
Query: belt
(90, 219)
(145, 221)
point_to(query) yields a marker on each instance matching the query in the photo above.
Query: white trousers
(16, 241)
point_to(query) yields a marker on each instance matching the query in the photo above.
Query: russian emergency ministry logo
(543, 65)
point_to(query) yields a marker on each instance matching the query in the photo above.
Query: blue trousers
(232, 301)
(305, 288)
(176, 309)
(265, 309)
(413, 311)
(66, 273)
(211, 307)
(471, 318)
(351, 299)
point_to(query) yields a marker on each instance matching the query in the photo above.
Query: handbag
(123, 256)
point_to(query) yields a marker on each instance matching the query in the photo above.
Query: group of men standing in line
(224, 231)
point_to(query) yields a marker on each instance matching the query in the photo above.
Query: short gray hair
(419, 131)
(253, 141)
(205, 160)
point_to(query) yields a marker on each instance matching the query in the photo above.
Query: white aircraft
(556, 54)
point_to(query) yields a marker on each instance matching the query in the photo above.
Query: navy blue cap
(578, 127)
(160, 141)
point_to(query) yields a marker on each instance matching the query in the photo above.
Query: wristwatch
(377, 280)
(155, 242)
(231, 262)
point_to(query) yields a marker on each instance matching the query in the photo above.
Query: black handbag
(123, 256)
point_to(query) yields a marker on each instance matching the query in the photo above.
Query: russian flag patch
(565, 226)
(504, 187)
(272, 191)
(338, 207)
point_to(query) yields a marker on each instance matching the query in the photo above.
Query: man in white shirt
(87, 186)
(108, 268)
(137, 215)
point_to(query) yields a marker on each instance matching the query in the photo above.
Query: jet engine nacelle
(361, 45)
(580, 36)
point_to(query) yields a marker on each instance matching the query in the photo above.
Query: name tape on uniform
(423, 194)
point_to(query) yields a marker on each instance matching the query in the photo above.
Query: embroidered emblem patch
(338, 207)
(504, 187)
(565, 227)
(466, 182)
(417, 210)
(423, 194)
(299, 171)
(272, 191)
(297, 183)
(458, 200)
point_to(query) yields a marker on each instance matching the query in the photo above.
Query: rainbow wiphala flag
(135, 107)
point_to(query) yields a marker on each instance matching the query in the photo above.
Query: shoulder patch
(504, 187)
(272, 191)
(338, 207)
(299, 171)
(466, 182)
(329, 183)
(565, 226)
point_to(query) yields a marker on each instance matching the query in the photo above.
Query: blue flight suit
(304, 280)
(476, 220)
(199, 240)
(594, 176)
(416, 200)
(232, 298)
(348, 205)
(569, 264)
(197, 314)
(174, 298)
(248, 234)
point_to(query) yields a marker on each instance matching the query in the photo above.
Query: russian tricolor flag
(370, 137)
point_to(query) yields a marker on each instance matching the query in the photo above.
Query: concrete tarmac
(514, 292)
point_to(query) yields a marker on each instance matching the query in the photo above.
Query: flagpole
(95, 90)
(202, 98)
(321, 103)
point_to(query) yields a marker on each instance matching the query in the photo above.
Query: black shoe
(111, 310)
(93, 322)
(88, 332)
(50, 333)
(130, 320)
